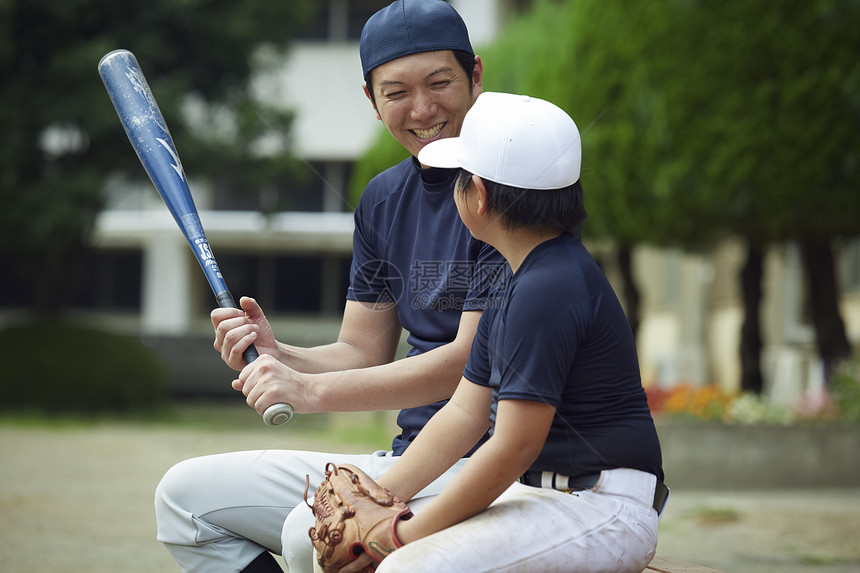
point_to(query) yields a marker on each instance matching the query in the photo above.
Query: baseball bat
(146, 129)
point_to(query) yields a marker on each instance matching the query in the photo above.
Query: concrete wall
(720, 456)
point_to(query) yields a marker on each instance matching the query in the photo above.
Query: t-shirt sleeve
(489, 278)
(478, 364)
(368, 272)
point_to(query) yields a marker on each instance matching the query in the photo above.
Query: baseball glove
(353, 515)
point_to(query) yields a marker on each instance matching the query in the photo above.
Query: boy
(571, 477)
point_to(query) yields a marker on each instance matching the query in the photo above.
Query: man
(414, 266)
(571, 478)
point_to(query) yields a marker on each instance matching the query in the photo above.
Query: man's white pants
(611, 528)
(218, 513)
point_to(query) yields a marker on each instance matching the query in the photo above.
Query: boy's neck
(517, 244)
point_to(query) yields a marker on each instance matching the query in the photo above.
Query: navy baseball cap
(407, 27)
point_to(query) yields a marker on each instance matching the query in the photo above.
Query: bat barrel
(147, 131)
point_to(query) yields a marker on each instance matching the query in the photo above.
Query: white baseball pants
(218, 513)
(611, 528)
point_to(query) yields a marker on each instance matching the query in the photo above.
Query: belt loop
(562, 482)
(547, 479)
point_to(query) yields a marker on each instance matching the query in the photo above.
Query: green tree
(705, 119)
(61, 138)
(558, 51)
(383, 153)
(761, 102)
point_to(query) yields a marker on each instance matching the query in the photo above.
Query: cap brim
(443, 153)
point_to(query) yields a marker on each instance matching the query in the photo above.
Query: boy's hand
(356, 520)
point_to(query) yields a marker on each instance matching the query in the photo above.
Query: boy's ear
(483, 203)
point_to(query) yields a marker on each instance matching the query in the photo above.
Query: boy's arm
(518, 437)
(447, 437)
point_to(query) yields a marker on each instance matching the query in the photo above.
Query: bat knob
(278, 414)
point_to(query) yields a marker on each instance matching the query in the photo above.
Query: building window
(322, 186)
(359, 12)
(16, 289)
(107, 280)
(341, 20)
(104, 280)
(293, 284)
(316, 186)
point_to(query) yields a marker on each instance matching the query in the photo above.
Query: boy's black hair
(557, 210)
(465, 59)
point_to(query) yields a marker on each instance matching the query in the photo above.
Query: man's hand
(237, 329)
(267, 381)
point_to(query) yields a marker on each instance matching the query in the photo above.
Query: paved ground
(79, 499)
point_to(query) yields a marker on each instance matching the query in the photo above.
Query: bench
(662, 564)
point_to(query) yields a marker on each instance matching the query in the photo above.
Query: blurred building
(296, 262)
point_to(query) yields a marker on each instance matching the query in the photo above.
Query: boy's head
(528, 155)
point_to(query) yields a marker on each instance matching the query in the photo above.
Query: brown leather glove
(354, 515)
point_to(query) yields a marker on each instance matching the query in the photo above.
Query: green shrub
(845, 389)
(59, 367)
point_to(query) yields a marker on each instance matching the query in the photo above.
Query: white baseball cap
(514, 140)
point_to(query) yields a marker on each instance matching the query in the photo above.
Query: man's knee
(184, 492)
(173, 487)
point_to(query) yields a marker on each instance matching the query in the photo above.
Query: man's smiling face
(424, 97)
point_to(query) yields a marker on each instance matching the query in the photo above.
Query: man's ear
(478, 77)
(481, 190)
(367, 95)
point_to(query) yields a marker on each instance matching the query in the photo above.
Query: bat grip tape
(225, 300)
(276, 414)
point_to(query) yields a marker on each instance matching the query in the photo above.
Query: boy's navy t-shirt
(561, 337)
(411, 248)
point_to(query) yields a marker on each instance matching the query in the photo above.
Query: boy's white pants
(218, 513)
(610, 528)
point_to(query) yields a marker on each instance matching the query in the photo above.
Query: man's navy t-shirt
(561, 337)
(411, 248)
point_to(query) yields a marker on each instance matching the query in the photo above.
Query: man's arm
(368, 338)
(369, 335)
(413, 381)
